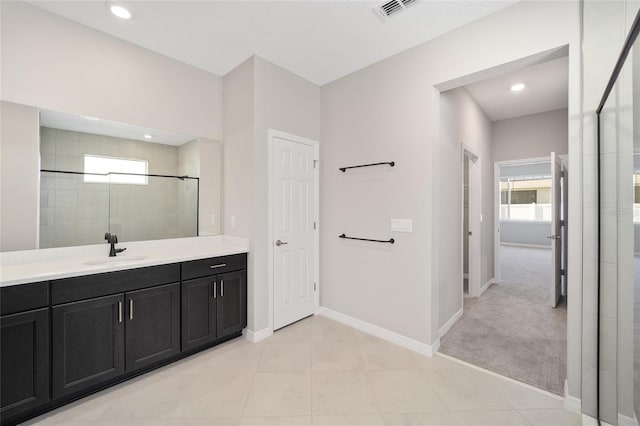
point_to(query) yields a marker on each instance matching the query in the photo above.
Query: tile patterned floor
(315, 372)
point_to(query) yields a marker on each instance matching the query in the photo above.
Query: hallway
(510, 329)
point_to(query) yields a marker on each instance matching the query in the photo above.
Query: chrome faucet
(113, 240)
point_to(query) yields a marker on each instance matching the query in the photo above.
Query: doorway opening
(508, 291)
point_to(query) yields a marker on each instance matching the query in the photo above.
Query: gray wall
(461, 121)
(259, 96)
(529, 233)
(389, 111)
(531, 136)
(116, 85)
(54, 63)
(19, 177)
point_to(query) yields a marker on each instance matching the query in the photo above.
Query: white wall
(260, 96)
(19, 176)
(390, 111)
(531, 136)
(462, 121)
(54, 63)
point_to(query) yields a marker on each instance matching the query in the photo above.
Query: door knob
(280, 243)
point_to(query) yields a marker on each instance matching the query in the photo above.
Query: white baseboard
(256, 336)
(447, 326)
(383, 333)
(486, 286)
(571, 403)
(627, 421)
(525, 245)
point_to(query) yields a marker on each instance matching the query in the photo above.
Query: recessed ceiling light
(148, 136)
(88, 117)
(120, 11)
(517, 87)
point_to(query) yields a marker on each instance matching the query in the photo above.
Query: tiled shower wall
(73, 212)
(605, 26)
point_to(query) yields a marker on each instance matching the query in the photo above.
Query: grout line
(508, 379)
(253, 381)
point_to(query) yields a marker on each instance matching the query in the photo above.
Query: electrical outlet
(213, 220)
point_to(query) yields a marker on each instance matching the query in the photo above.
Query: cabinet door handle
(215, 289)
(119, 311)
(130, 309)
(221, 288)
(220, 265)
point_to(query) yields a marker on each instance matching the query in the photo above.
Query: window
(525, 199)
(102, 165)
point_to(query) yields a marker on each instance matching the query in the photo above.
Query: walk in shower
(611, 374)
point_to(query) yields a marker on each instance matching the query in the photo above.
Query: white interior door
(556, 232)
(293, 216)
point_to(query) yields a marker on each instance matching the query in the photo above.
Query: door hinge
(562, 223)
(315, 286)
(563, 272)
(314, 225)
(315, 163)
(562, 173)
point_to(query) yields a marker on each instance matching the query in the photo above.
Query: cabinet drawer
(90, 286)
(24, 297)
(213, 266)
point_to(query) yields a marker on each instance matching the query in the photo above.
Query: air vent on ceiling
(392, 7)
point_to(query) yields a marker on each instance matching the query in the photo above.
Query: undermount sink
(112, 260)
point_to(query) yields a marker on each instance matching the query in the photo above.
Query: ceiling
(81, 123)
(319, 40)
(547, 89)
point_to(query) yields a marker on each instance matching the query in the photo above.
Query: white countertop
(20, 267)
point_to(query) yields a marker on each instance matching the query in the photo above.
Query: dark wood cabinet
(231, 303)
(152, 325)
(213, 307)
(64, 339)
(88, 343)
(24, 362)
(198, 312)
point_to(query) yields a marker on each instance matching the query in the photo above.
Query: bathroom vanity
(67, 332)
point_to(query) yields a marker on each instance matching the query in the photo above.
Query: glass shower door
(618, 361)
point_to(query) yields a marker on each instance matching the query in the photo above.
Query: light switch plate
(402, 225)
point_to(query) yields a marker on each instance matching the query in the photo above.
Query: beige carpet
(510, 329)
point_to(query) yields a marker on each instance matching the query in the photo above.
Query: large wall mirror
(101, 176)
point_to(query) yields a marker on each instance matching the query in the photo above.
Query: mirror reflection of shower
(99, 176)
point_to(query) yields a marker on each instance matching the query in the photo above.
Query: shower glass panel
(164, 207)
(619, 245)
(76, 210)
